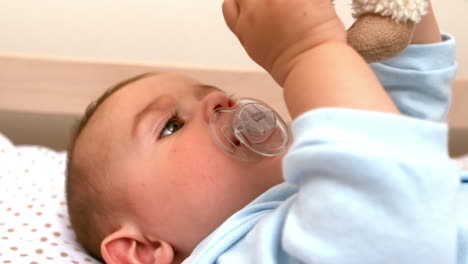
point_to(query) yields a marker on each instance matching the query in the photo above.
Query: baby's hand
(275, 33)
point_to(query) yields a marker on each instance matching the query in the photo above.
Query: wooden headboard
(67, 86)
(61, 88)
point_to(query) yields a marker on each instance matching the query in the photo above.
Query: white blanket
(34, 225)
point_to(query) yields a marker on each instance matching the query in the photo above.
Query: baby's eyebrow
(205, 89)
(202, 91)
(141, 114)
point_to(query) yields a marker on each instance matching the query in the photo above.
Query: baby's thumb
(231, 13)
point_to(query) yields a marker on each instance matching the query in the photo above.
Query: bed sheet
(34, 224)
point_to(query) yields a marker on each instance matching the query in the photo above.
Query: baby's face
(166, 172)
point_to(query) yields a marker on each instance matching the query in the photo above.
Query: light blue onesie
(361, 187)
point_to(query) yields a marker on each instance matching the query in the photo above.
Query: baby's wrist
(331, 31)
(333, 74)
(286, 62)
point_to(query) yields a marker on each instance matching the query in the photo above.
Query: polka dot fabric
(34, 225)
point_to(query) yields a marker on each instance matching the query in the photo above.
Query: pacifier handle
(255, 122)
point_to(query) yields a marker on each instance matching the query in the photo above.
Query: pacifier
(250, 130)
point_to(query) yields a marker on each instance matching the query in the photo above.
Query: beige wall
(182, 32)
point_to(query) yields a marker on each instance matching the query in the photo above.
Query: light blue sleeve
(419, 80)
(363, 187)
(373, 188)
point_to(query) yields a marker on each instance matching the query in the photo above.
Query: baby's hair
(86, 204)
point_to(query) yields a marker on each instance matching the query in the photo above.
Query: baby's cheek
(197, 145)
(202, 164)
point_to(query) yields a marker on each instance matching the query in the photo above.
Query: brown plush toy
(384, 28)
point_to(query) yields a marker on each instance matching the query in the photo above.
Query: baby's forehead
(108, 132)
(152, 86)
(118, 109)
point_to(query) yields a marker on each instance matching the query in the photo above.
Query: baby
(146, 182)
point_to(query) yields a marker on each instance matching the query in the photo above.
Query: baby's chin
(271, 170)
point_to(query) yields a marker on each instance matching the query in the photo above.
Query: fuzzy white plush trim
(399, 10)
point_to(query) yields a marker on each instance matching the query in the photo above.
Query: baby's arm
(427, 30)
(419, 80)
(372, 187)
(302, 44)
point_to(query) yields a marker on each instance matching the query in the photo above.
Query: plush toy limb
(379, 38)
(398, 10)
(384, 28)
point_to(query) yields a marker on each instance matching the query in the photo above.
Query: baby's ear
(126, 246)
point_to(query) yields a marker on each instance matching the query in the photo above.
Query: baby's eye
(172, 125)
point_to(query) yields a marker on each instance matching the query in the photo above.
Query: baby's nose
(214, 101)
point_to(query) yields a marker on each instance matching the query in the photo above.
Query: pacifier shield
(250, 130)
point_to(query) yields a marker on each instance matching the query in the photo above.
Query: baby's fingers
(231, 13)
